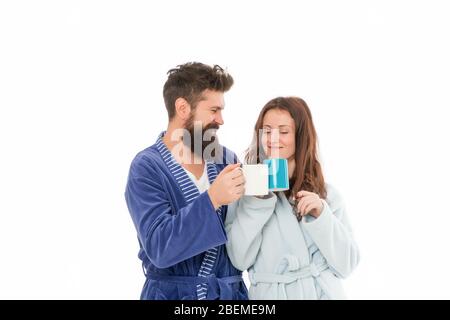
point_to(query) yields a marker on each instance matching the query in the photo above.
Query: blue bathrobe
(181, 236)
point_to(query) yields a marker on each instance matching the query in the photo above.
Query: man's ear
(182, 109)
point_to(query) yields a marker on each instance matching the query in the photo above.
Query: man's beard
(201, 139)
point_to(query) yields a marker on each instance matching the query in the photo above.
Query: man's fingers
(230, 167)
(240, 190)
(239, 180)
(236, 172)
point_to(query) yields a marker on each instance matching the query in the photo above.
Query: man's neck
(182, 154)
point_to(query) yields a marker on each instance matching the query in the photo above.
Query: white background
(81, 94)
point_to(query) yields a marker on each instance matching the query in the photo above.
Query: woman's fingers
(299, 205)
(310, 207)
(303, 203)
(307, 202)
(304, 193)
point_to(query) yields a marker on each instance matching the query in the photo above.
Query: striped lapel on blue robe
(190, 192)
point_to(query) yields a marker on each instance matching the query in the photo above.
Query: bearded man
(178, 190)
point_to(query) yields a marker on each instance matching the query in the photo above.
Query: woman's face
(278, 137)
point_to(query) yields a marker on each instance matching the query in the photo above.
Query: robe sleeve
(170, 237)
(245, 221)
(332, 234)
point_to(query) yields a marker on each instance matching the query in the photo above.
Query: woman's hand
(309, 203)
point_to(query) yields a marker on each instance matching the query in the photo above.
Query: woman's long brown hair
(308, 172)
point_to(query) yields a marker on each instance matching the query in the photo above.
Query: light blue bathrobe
(287, 259)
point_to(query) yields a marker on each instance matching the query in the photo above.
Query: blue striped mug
(278, 174)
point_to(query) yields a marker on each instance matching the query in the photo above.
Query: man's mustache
(211, 126)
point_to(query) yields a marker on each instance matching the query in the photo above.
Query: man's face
(203, 123)
(209, 108)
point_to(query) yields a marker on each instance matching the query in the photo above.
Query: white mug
(256, 183)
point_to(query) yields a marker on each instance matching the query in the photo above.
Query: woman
(295, 244)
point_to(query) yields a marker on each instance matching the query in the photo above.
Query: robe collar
(190, 192)
(188, 187)
(293, 234)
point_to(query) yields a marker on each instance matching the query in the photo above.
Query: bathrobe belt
(218, 288)
(288, 277)
(309, 271)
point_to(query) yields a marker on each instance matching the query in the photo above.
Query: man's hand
(228, 186)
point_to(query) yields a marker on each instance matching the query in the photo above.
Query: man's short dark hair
(189, 80)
